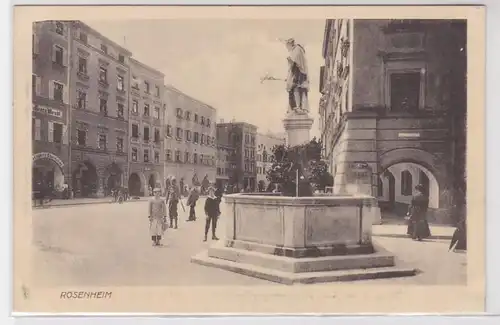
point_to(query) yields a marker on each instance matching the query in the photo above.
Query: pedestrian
(172, 199)
(218, 194)
(212, 211)
(191, 202)
(157, 217)
(418, 227)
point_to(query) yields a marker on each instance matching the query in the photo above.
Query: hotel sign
(409, 135)
(49, 156)
(47, 111)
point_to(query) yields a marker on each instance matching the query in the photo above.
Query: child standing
(212, 210)
(157, 217)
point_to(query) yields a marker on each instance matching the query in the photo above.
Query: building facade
(226, 155)
(146, 118)
(243, 139)
(99, 98)
(190, 144)
(394, 101)
(50, 104)
(265, 144)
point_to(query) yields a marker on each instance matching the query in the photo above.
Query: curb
(81, 203)
(438, 237)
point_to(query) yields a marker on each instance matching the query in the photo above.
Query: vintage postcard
(191, 160)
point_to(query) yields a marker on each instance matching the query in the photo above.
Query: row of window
(147, 87)
(56, 131)
(102, 140)
(187, 158)
(250, 139)
(57, 90)
(60, 29)
(265, 157)
(250, 167)
(188, 136)
(146, 135)
(146, 110)
(146, 158)
(250, 153)
(197, 119)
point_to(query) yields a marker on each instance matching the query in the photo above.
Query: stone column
(297, 127)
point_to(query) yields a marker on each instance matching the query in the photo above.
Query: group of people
(159, 208)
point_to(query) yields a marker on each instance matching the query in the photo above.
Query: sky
(220, 62)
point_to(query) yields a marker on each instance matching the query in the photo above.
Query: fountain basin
(301, 239)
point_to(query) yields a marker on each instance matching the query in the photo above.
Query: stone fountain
(301, 239)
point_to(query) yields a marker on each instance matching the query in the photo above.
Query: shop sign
(50, 156)
(47, 111)
(409, 135)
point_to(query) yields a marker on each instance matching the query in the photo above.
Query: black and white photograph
(288, 154)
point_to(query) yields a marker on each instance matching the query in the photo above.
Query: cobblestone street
(109, 244)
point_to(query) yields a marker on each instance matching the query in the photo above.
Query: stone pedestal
(301, 240)
(297, 127)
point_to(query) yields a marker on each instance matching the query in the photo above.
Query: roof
(95, 32)
(172, 88)
(133, 61)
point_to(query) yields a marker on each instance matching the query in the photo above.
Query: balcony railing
(82, 75)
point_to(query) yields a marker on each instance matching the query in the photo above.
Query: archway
(85, 180)
(398, 182)
(134, 185)
(114, 174)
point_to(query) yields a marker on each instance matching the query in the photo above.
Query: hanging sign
(49, 156)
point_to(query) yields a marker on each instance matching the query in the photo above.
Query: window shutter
(38, 124)
(65, 94)
(65, 134)
(54, 53)
(65, 58)
(38, 85)
(36, 45)
(51, 89)
(51, 131)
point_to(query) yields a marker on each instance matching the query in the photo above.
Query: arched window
(406, 183)
(264, 156)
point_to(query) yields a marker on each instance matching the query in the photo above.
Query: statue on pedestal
(297, 81)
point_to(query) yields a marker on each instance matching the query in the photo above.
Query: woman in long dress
(418, 227)
(157, 217)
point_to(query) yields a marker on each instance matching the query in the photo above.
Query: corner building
(50, 104)
(99, 101)
(190, 139)
(394, 98)
(146, 118)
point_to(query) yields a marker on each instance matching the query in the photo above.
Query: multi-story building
(99, 99)
(394, 100)
(243, 140)
(190, 144)
(146, 118)
(226, 155)
(50, 104)
(265, 144)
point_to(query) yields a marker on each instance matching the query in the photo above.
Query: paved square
(109, 244)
